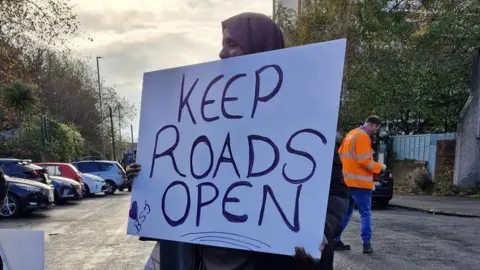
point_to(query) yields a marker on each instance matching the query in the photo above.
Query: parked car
(111, 171)
(25, 196)
(94, 184)
(66, 189)
(24, 169)
(383, 192)
(66, 170)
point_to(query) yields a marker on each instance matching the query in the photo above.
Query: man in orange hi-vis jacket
(358, 170)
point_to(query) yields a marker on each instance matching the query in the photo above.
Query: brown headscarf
(254, 32)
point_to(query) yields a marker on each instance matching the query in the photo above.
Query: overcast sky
(135, 36)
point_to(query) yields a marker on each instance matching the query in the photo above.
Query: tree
(31, 25)
(20, 98)
(123, 111)
(34, 50)
(407, 61)
(27, 22)
(374, 30)
(451, 30)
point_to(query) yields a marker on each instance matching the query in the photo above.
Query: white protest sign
(22, 249)
(238, 153)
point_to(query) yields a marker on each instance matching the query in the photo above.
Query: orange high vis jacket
(357, 159)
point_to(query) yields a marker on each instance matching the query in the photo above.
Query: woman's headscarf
(254, 32)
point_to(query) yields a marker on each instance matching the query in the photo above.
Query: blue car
(66, 189)
(24, 196)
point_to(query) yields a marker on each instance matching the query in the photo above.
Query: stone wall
(467, 163)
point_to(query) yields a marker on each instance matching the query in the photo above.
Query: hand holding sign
(238, 152)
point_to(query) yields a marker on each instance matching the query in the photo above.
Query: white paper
(22, 249)
(307, 99)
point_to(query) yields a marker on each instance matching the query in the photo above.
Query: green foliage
(20, 98)
(67, 142)
(65, 145)
(407, 61)
(34, 49)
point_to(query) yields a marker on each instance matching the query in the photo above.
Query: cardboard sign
(22, 249)
(238, 153)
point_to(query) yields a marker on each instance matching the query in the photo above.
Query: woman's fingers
(324, 243)
(133, 170)
(302, 256)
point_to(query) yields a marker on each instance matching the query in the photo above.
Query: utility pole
(131, 135)
(101, 106)
(120, 126)
(113, 134)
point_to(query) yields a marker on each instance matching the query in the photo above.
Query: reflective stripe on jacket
(357, 159)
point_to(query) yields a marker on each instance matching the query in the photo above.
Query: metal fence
(418, 147)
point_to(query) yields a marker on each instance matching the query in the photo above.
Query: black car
(25, 196)
(66, 189)
(24, 169)
(383, 192)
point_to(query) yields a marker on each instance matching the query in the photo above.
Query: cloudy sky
(135, 36)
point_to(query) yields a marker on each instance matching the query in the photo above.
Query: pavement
(87, 234)
(441, 205)
(91, 234)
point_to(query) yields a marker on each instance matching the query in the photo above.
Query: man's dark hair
(374, 120)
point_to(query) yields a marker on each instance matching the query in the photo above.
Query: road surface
(91, 234)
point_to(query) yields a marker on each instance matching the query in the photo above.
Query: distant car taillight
(35, 174)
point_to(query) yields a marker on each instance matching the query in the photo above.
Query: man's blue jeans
(363, 199)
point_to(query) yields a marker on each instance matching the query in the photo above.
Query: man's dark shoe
(339, 245)
(367, 248)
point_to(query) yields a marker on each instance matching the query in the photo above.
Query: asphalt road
(90, 234)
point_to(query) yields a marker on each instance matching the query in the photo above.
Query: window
(5, 167)
(87, 167)
(58, 171)
(105, 166)
(50, 170)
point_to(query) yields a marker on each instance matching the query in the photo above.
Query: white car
(111, 171)
(93, 184)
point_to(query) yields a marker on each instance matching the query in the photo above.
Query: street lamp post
(101, 106)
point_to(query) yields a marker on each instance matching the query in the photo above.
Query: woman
(244, 34)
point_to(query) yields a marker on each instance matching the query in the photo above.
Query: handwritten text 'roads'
(169, 151)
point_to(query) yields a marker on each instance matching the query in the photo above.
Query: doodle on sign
(138, 218)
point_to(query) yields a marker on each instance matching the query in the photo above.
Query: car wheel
(120, 189)
(383, 203)
(111, 187)
(129, 188)
(58, 200)
(11, 207)
(87, 192)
